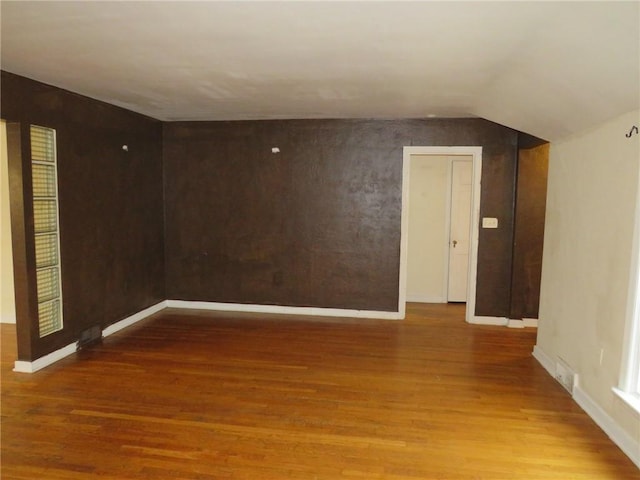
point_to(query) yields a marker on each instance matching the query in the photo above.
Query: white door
(460, 229)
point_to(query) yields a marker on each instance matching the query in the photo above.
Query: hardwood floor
(202, 396)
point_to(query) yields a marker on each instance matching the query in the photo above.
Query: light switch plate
(489, 222)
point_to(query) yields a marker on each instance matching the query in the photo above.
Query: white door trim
(476, 154)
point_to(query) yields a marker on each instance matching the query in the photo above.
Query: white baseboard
(38, 364)
(499, 321)
(419, 298)
(524, 323)
(136, 317)
(42, 362)
(545, 360)
(284, 310)
(629, 445)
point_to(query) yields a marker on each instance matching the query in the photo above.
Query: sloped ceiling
(545, 68)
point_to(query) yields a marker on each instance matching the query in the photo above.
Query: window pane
(46, 250)
(42, 144)
(48, 284)
(44, 180)
(45, 216)
(49, 317)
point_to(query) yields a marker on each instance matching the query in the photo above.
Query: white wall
(7, 300)
(593, 183)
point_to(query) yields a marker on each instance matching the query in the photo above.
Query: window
(47, 235)
(629, 389)
(631, 373)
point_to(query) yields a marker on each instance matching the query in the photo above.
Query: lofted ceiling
(546, 68)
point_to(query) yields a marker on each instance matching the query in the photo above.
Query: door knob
(455, 242)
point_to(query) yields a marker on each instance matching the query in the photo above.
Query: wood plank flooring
(202, 396)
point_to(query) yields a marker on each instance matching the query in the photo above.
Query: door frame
(476, 157)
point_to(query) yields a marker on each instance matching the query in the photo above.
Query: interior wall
(317, 224)
(7, 300)
(110, 205)
(592, 188)
(428, 189)
(531, 195)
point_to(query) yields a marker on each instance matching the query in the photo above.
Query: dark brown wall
(316, 225)
(26, 299)
(319, 223)
(530, 211)
(110, 202)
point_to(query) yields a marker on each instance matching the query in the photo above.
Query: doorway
(7, 298)
(437, 171)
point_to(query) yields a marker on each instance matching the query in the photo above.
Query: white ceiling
(546, 68)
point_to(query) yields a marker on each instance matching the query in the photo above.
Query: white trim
(545, 360)
(404, 231)
(136, 317)
(522, 323)
(476, 155)
(419, 298)
(630, 399)
(38, 364)
(480, 320)
(629, 445)
(284, 310)
(42, 362)
(475, 233)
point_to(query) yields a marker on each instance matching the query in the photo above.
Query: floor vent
(565, 375)
(90, 336)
